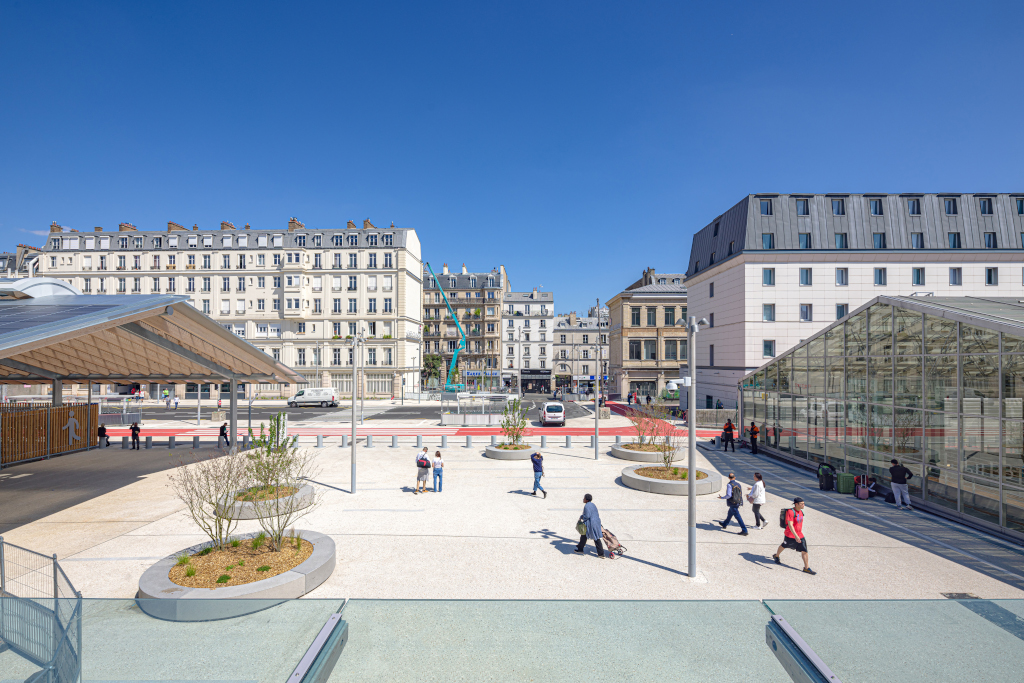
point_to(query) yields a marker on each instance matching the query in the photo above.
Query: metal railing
(40, 613)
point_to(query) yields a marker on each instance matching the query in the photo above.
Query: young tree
(205, 485)
(513, 422)
(278, 514)
(269, 452)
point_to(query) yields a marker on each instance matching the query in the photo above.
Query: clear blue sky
(574, 142)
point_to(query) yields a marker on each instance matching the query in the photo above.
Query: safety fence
(40, 432)
(40, 613)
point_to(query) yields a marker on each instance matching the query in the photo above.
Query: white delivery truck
(323, 396)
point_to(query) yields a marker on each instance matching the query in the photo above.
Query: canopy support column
(57, 399)
(233, 424)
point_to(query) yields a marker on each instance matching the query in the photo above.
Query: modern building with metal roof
(934, 382)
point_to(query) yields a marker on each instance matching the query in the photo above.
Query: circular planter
(502, 454)
(642, 456)
(247, 510)
(710, 484)
(160, 597)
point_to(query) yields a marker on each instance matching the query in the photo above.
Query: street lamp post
(691, 465)
(357, 342)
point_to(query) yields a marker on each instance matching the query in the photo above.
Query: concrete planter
(247, 510)
(502, 454)
(160, 597)
(642, 456)
(711, 484)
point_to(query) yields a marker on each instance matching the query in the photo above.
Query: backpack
(422, 462)
(782, 516)
(736, 498)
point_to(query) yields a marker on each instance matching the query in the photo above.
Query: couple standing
(424, 464)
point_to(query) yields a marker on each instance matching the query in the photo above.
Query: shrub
(204, 485)
(259, 540)
(235, 543)
(183, 559)
(223, 578)
(264, 568)
(206, 551)
(513, 422)
(190, 571)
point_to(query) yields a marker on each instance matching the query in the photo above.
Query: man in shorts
(422, 471)
(795, 538)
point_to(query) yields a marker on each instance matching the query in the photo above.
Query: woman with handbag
(589, 526)
(757, 498)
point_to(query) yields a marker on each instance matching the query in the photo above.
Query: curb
(710, 484)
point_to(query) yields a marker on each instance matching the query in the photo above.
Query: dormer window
(318, 240)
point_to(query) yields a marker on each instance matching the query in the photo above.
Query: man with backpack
(754, 431)
(734, 498)
(900, 486)
(792, 520)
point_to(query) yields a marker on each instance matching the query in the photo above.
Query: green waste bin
(844, 483)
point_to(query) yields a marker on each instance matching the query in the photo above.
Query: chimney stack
(126, 227)
(294, 224)
(444, 269)
(172, 226)
(97, 229)
(55, 228)
(367, 225)
(464, 271)
(572, 319)
(225, 225)
(351, 225)
(534, 293)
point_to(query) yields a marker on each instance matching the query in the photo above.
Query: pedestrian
(629, 399)
(719, 405)
(795, 539)
(734, 499)
(756, 498)
(135, 436)
(900, 488)
(592, 521)
(167, 401)
(538, 471)
(175, 402)
(422, 470)
(223, 435)
(438, 472)
(648, 399)
(727, 436)
(102, 434)
(754, 431)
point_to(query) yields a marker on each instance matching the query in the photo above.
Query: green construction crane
(448, 385)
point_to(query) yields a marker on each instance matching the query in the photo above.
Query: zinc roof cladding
(288, 241)
(527, 297)
(658, 289)
(462, 280)
(562, 323)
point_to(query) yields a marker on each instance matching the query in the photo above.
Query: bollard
(591, 440)
(124, 442)
(444, 441)
(320, 441)
(543, 440)
(344, 440)
(394, 441)
(149, 442)
(469, 440)
(419, 441)
(618, 440)
(195, 442)
(568, 441)
(245, 442)
(170, 442)
(494, 440)
(369, 440)
(718, 442)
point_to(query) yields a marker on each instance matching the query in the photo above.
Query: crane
(448, 386)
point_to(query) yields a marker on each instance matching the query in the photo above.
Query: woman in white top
(438, 472)
(756, 498)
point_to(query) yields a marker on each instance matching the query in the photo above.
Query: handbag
(581, 527)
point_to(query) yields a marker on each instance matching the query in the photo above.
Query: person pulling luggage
(589, 527)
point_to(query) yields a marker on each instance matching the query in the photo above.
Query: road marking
(379, 510)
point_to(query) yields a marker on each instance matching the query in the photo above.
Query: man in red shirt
(795, 534)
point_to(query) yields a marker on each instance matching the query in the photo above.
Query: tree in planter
(204, 484)
(513, 422)
(643, 420)
(277, 515)
(269, 454)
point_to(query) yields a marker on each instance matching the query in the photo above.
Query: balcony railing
(190, 266)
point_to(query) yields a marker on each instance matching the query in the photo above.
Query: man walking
(795, 539)
(754, 431)
(734, 498)
(727, 436)
(592, 521)
(223, 435)
(175, 402)
(900, 488)
(538, 471)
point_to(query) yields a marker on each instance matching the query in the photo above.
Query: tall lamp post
(357, 343)
(692, 327)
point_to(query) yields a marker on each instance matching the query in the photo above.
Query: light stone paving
(485, 537)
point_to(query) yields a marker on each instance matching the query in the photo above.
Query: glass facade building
(935, 382)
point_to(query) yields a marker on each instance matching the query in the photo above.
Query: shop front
(536, 382)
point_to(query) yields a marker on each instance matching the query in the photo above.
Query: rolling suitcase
(862, 492)
(826, 482)
(844, 483)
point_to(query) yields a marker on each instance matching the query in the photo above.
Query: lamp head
(703, 321)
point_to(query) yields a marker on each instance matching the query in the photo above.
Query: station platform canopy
(50, 331)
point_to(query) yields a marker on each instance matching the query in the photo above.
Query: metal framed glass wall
(945, 398)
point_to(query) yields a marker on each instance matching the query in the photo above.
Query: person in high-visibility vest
(754, 431)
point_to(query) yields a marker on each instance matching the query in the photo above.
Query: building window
(805, 277)
(801, 208)
(768, 277)
(992, 276)
(1020, 207)
(917, 240)
(914, 207)
(731, 245)
(768, 240)
(352, 305)
(986, 206)
(917, 276)
(387, 305)
(711, 261)
(951, 207)
(650, 349)
(652, 317)
(954, 240)
(716, 231)
(634, 350)
(841, 241)
(879, 240)
(711, 320)
(805, 240)
(301, 357)
(838, 207)
(371, 306)
(634, 317)
(670, 316)
(711, 290)
(876, 207)
(766, 207)
(842, 310)
(842, 277)
(711, 355)
(880, 278)
(990, 241)
(768, 348)
(806, 313)
(670, 349)
(768, 312)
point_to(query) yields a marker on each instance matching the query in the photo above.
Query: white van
(325, 397)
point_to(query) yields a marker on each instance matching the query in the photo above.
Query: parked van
(324, 397)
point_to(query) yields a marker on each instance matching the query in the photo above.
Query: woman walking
(592, 521)
(438, 472)
(756, 498)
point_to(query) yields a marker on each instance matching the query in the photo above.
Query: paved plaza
(485, 537)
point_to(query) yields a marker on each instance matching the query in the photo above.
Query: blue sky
(574, 142)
